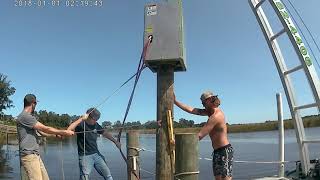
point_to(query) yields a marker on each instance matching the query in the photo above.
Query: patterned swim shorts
(222, 161)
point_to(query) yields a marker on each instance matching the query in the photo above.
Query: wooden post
(133, 155)
(187, 166)
(165, 81)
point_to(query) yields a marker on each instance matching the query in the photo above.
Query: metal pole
(133, 155)
(281, 135)
(187, 153)
(165, 81)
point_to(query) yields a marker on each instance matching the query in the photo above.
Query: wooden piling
(133, 155)
(187, 153)
(165, 81)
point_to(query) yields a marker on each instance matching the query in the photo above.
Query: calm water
(60, 158)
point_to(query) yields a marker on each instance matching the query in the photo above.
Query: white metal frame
(306, 66)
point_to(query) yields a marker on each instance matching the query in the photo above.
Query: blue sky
(73, 58)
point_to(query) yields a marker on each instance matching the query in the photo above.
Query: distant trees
(308, 121)
(5, 91)
(117, 124)
(63, 120)
(55, 120)
(105, 124)
(185, 123)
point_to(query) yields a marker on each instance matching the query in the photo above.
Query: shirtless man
(217, 129)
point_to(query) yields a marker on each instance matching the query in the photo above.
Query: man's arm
(189, 109)
(50, 130)
(205, 130)
(73, 125)
(46, 134)
(109, 136)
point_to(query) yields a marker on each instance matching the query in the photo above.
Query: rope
(115, 91)
(147, 172)
(254, 162)
(141, 66)
(262, 162)
(186, 173)
(144, 149)
(106, 128)
(95, 130)
(61, 158)
(84, 142)
(135, 148)
(302, 31)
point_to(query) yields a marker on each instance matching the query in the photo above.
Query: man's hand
(159, 123)
(59, 136)
(68, 133)
(85, 117)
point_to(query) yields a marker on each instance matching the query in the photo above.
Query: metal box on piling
(164, 21)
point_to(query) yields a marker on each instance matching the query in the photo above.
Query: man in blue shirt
(87, 130)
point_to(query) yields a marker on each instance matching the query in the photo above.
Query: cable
(254, 162)
(141, 169)
(296, 11)
(61, 158)
(84, 144)
(141, 66)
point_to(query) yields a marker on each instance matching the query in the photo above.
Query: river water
(61, 159)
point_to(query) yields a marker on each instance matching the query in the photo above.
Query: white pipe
(134, 160)
(281, 135)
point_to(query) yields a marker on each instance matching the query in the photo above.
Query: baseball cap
(206, 95)
(30, 98)
(94, 113)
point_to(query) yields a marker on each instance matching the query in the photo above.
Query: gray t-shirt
(26, 134)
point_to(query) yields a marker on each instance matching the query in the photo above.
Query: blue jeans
(87, 162)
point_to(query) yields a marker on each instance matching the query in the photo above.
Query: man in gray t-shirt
(27, 127)
(27, 135)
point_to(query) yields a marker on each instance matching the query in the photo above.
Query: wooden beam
(165, 82)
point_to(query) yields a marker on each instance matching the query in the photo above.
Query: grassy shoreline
(308, 122)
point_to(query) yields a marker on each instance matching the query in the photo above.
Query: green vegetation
(5, 92)
(308, 121)
(63, 121)
(183, 125)
(188, 126)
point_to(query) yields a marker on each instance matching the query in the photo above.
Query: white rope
(147, 171)
(262, 162)
(62, 168)
(84, 143)
(249, 162)
(185, 173)
(136, 148)
(148, 150)
(253, 162)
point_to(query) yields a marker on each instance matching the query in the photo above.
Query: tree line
(63, 120)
